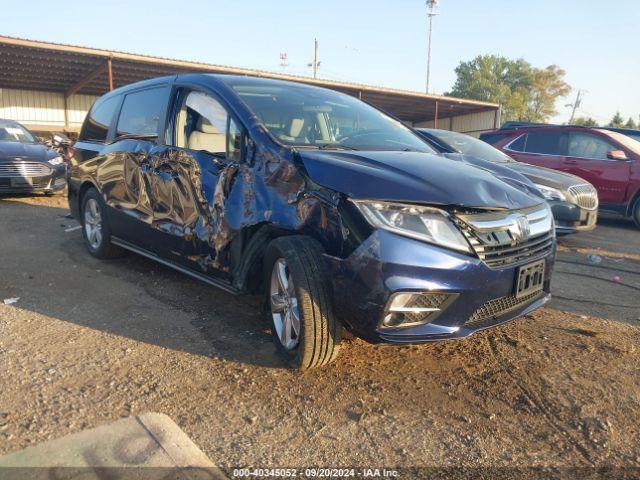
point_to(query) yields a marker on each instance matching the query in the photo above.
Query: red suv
(608, 160)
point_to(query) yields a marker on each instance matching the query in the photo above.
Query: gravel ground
(89, 342)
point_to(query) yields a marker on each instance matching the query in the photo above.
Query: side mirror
(617, 155)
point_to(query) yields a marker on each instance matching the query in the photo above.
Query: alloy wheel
(93, 223)
(284, 305)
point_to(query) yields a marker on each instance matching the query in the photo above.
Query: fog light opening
(410, 309)
(393, 319)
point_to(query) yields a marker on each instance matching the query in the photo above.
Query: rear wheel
(95, 227)
(299, 302)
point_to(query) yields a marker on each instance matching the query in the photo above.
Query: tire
(99, 244)
(635, 213)
(319, 333)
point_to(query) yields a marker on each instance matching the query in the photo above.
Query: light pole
(432, 11)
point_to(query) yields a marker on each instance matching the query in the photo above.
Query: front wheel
(636, 213)
(299, 302)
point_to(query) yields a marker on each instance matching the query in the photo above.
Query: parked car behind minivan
(339, 214)
(573, 201)
(610, 161)
(26, 165)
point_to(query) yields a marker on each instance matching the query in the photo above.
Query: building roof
(34, 65)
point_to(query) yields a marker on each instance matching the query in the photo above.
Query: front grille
(488, 313)
(586, 196)
(499, 240)
(23, 168)
(503, 255)
(36, 184)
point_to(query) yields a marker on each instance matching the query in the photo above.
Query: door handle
(570, 162)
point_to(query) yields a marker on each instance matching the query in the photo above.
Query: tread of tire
(324, 345)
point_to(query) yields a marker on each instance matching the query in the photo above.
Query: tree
(585, 122)
(631, 124)
(548, 85)
(524, 92)
(617, 121)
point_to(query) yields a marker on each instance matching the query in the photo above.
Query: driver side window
(203, 124)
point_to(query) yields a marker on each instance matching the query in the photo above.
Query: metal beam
(66, 111)
(110, 70)
(435, 115)
(79, 85)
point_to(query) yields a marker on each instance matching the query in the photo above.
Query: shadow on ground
(53, 274)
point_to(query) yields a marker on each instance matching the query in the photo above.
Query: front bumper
(571, 218)
(52, 182)
(386, 263)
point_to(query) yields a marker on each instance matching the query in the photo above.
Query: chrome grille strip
(585, 195)
(495, 237)
(24, 169)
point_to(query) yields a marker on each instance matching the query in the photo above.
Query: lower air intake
(488, 313)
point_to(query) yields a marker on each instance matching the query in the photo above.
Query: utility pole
(315, 63)
(315, 58)
(284, 60)
(575, 106)
(432, 6)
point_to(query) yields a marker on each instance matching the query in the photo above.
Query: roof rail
(516, 125)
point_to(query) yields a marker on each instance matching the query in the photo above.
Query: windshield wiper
(134, 136)
(337, 146)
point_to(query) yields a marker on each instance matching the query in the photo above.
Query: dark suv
(338, 213)
(609, 160)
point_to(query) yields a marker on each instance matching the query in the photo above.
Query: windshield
(13, 132)
(314, 117)
(471, 146)
(627, 141)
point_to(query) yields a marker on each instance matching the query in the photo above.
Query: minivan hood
(417, 177)
(27, 151)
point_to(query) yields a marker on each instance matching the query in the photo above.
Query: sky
(372, 42)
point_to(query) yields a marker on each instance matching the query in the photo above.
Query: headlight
(56, 161)
(552, 193)
(422, 223)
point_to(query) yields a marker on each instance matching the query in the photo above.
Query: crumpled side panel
(210, 204)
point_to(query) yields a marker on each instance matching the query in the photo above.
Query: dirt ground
(89, 342)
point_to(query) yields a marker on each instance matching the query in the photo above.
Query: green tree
(585, 122)
(617, 121)
(548, 85)
(524, 92)
(631, 123)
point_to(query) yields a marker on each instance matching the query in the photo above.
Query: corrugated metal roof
(34, 65)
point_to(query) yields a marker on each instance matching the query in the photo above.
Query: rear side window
(140, 113)
(518, 144)
(96, 125)
(545, 143)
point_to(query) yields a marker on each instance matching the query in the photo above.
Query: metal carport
(66, 74)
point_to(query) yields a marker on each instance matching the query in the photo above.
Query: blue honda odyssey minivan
(339, 215)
